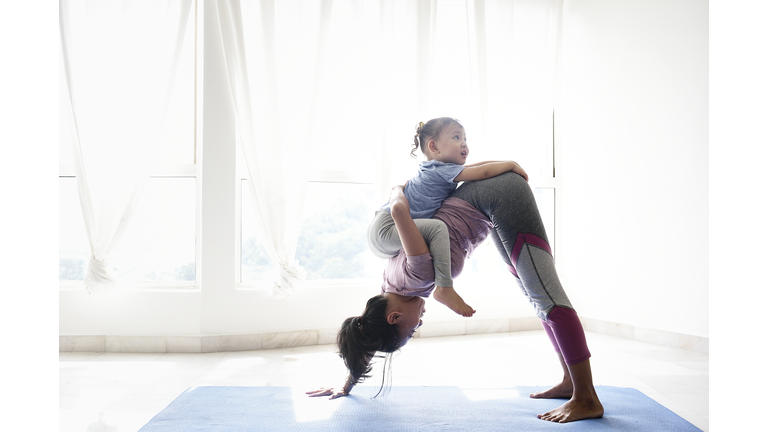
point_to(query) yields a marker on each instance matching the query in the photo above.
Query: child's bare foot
(573, 410)
(449, 297)
(564, 390)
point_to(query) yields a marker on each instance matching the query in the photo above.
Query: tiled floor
(122, 392)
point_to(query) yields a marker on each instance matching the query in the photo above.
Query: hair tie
(359, 320)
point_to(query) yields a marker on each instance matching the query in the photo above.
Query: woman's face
(406, 312)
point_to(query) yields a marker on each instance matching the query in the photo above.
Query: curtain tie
(97, 278)
(288, 279)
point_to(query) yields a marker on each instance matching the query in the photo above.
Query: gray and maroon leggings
(519, 235)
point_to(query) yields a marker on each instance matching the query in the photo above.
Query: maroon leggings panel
(567, 335)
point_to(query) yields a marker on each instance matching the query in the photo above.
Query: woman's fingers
(338, 394)
(326, 392)
(320, 392)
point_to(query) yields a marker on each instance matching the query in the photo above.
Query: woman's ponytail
(361, 337)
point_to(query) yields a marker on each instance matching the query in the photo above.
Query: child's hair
(428, 130)
(368, 333)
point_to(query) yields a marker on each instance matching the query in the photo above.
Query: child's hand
(519, 170)
(397, 195)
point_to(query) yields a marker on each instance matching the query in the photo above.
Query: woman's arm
(410, 237)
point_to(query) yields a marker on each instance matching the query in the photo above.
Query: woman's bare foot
(449, 297)
(578, 388)
(564, 390)
(573, 410)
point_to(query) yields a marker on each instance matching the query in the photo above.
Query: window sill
(167, 287)
(312, 284)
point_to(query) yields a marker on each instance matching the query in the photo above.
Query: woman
(505, 208)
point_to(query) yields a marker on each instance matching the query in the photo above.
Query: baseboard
(258, 341)
(290, 339)
(641, 334)
(195, 344)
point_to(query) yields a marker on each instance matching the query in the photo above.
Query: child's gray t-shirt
(431, 185)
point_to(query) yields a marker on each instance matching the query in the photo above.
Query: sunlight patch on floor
(309, 409)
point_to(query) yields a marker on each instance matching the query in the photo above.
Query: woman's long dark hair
(360, 337)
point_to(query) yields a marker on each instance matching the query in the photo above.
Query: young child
(444, 143)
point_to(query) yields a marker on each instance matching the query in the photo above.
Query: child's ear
(432, 145)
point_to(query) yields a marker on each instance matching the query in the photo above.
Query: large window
(159, 246)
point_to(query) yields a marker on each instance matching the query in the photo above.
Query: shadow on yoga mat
(405, 408)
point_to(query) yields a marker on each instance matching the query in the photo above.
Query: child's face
(451, 145)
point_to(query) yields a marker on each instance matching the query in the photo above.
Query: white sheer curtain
(119, 58)
(513, 53)
(403, 63)
(273, 52)
(374, 87)
(489, 63)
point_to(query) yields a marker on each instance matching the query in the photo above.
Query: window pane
(159, 244)
(332, 243)
(73, 242)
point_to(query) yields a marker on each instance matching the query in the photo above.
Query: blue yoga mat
(235, 409)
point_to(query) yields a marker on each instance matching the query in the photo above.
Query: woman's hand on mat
(333, 393)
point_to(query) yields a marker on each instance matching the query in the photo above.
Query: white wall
(632, 160)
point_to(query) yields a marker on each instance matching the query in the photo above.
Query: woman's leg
(519, 235)
(522, 241)
(565, 331)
